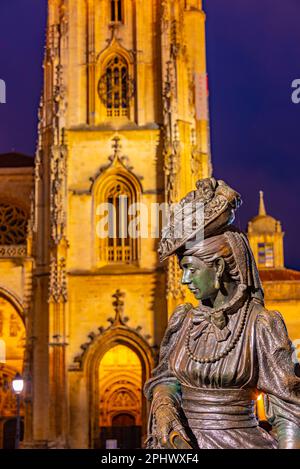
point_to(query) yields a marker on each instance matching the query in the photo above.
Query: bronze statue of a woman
(215, 358)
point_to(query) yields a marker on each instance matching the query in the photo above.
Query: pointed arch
(115, 47)
(114, 193)
(14, 300)
(115, 82)
(118, 335)
(120, 383)
(113, 87)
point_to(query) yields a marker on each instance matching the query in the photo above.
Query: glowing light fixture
(18, 383)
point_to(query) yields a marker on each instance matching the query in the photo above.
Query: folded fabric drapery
(211, 409)
(210, 324)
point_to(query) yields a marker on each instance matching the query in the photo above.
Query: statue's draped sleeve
(162, 373)
(277, 378)
(163, 386)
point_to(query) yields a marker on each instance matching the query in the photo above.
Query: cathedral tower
(281, 284)
(266, 238)
(123, 128)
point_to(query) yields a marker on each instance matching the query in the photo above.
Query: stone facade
(16, 266)
(123, 113)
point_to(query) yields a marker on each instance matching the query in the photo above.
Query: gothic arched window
(116, 11)
(121, 247)
(115, 88)
(118, 241)
(13, 225)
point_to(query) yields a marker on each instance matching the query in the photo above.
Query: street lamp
(18, 385)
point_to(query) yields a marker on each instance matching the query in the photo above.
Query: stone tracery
(13, 225)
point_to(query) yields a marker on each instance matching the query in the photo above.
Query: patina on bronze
(217, 357)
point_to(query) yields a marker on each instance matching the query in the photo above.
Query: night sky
(253, 57)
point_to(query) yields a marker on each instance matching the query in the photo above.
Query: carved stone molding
(57, 194)
(116, 159)
(117, 322)
(31, 220)
(64, 18)
(165, 15)
(52, 41)
(13, 251)
(58, 281)
(114, 45)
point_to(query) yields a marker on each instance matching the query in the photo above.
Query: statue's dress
(218, 398)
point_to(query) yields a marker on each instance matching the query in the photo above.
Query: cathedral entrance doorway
(117, 364)
(123, 433)
(120, 404)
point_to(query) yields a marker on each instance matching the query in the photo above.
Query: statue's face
(199, 278)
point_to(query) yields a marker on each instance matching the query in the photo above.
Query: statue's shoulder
(177, 318)
(180, 312)
(270, 319)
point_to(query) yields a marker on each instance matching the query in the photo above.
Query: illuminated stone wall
(156, 141)
(281, 285)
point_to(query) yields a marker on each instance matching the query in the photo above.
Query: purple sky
(253, 57)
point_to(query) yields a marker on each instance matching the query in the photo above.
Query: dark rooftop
(273, 275)
(16, 160)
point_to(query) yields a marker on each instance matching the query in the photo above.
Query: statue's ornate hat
(216, 204)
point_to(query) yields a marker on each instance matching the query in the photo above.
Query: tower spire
(262, 208)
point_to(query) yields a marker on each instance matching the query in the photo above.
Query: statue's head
(205, 212)
(201, 279)
(208, 266)
(210, 250)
